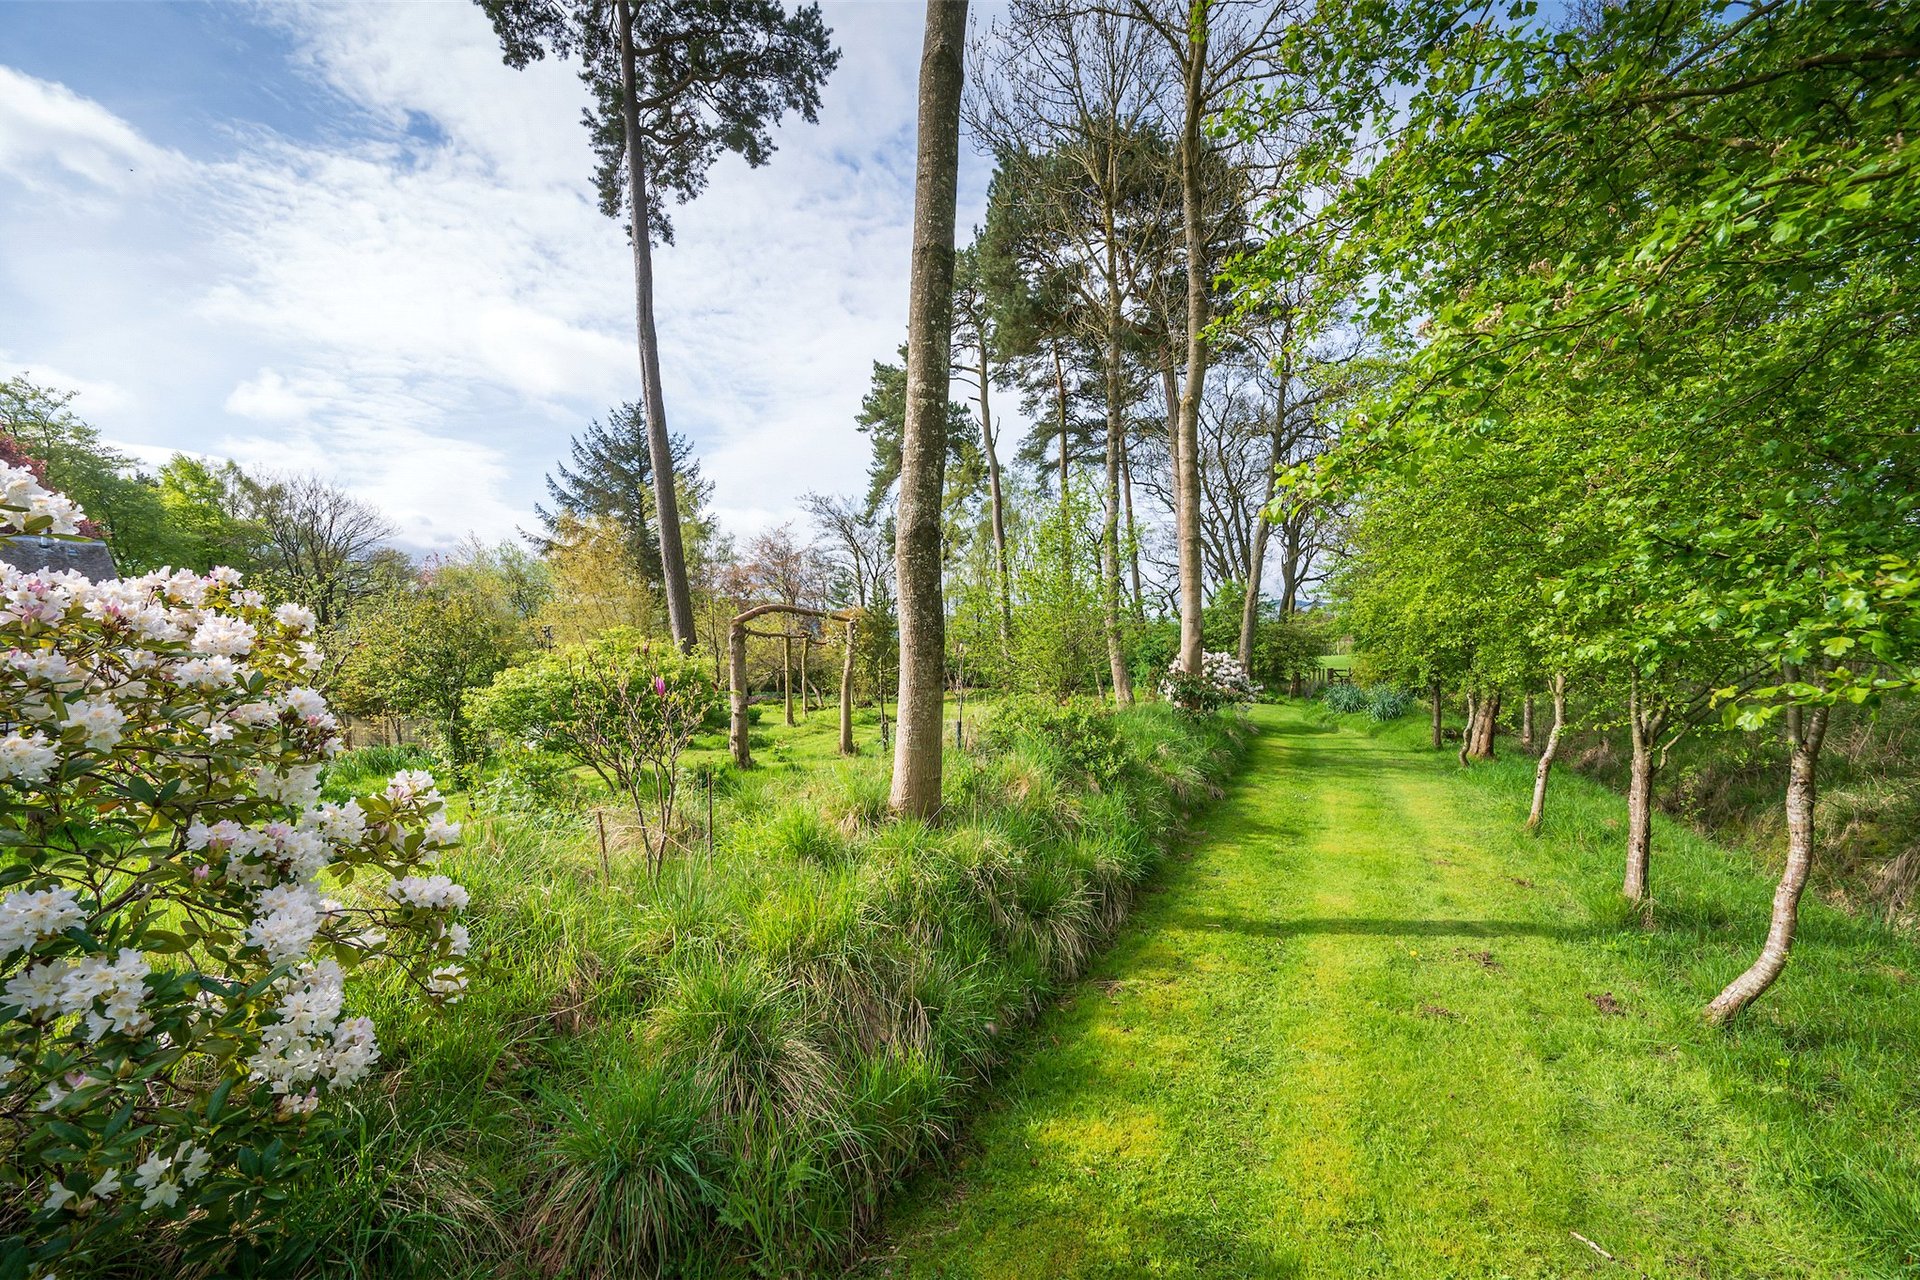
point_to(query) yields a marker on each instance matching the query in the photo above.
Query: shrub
(618, 705)
(1220, 682)
(1075, 738)
(179, 908)
(531, 782)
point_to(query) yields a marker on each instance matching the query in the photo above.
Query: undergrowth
(720, 1072)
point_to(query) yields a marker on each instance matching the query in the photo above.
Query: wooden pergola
(737, 633)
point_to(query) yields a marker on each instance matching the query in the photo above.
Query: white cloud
(266, 397)
(50, 135)
(424, 302)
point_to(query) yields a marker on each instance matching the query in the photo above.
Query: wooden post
(737, 694)
(846, 694)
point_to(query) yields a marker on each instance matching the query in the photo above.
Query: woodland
(1363, 721)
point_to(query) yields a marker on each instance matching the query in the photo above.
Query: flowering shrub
(179, 909)
(617, 704)
(1220, 682)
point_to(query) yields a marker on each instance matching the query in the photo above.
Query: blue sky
(344, 238)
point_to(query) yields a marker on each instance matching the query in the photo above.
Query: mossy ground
(1367, 1027)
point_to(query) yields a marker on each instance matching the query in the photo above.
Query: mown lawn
(1367, 1027)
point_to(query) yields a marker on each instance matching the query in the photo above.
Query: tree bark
(1187, 456)
(737, 696)
(846, 694)
(1806, 730)
(1439, 719)
(998, 505)
(666, 496)
(1466, 733)
(1250, 606)
(1545, 765)
(1060, 398)
(1110, 522)
(786, 676)
(920, 739)
(1133, 530)
(1486, 727)
(1257, 554)
(1643, 729)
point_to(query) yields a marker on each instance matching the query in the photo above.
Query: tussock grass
(721, 1070)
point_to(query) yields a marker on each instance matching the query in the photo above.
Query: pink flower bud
(660, 685)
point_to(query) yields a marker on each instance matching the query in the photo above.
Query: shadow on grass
(1373, 927)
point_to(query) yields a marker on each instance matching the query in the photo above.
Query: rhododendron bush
(179, 910)
(1220, 682)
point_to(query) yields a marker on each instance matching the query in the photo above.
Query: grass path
(1366, 1028)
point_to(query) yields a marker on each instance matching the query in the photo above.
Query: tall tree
(608, 478)
(323, 545)
(675, 84)
(975, 349)
(917, 551)
(1215, 49)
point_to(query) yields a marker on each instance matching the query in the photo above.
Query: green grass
(719, 1073)
(1366, 1027)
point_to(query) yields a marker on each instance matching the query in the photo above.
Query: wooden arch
(737, 633)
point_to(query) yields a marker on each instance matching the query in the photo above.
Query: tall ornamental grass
(721, 1071)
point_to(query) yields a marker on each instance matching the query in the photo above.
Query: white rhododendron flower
(99, 719)
(176, 715)
(429, 893)
(27, 756)
(295, 617)
(1222, 681)
(27, 506)
(225, 636)
(27, 916)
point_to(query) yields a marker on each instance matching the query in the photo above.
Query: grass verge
(1370, 1028)
(721, 1072)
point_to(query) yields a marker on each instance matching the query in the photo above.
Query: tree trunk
(1545, 766)
(737, 695)
(1060, 398)
(997, 505)
(1257, 554)
(1806, 730)
(786, 676)
(1133, 530)
(1439, 719)
(806, 687)
(1644, 725)
(1466, 733)
(1262, 527)
(1487, 726)
(920, 737)
(1110, 523)
(1187, 456)
(846, 695)
(666, 497)
(1250, 606)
